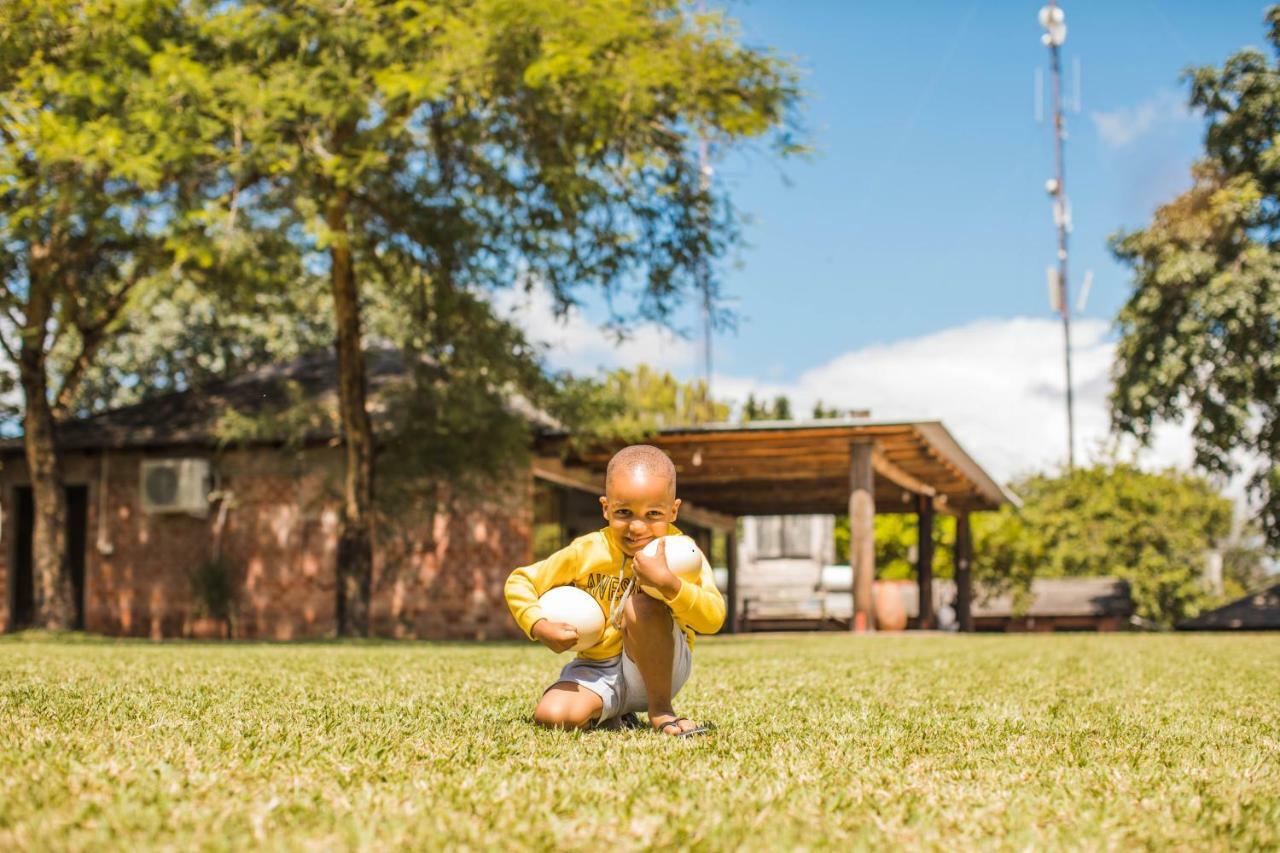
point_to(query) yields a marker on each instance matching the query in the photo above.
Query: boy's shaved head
(641, 458)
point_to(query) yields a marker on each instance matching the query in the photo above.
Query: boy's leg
(647, 639)
(567, 705)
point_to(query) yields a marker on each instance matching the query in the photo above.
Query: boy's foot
(669, 724)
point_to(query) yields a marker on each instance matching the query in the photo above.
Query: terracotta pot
(890, 614)
(207, 628)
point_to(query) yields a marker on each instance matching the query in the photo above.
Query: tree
(110, 168)
(1111, 519)
(1244, 562)
(757, 410)
(897, 537)
(490, 143)
(185, 333)
(1201, 331)
(1154, 530)
(631, 404)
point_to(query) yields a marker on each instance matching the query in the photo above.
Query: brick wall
(442, 577)
(280, 537)
(435, 577)
(138, 565)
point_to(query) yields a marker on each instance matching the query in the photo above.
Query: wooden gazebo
(834, 466)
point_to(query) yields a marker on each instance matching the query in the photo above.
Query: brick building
(155, 500)
(272, 516)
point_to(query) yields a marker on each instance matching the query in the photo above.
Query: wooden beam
(828, 447)
(731, 592)
(924, 455)
(571, 477)
(730, 434)
(924, 559)
(708, 518)
(862, 534)
(779, 476)
(800, 502)
(895, 474)
(964, 572)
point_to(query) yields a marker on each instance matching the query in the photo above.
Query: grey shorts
(617, 681)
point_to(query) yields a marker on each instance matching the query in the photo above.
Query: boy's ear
(604, 507)
(675, 509)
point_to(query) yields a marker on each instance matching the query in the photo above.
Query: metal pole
(704, 179)
(1062, 218)
(704, 273)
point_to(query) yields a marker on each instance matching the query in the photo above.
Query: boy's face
(638, 508)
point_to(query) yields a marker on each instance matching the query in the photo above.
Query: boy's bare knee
(549, 715)
(560, 717)
(563, 711)
(644, 608)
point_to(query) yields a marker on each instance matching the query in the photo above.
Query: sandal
(705, 728)
(630, 721)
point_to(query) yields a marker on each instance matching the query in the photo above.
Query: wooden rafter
(785, 468)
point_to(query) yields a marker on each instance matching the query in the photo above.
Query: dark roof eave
(14, 447)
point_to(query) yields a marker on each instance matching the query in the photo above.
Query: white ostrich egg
(683, 556)
(577, 608)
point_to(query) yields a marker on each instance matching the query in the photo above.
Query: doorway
(22, 597)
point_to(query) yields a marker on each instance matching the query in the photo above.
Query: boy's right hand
(557, 636)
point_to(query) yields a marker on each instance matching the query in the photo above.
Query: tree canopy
(628, 404)
(224, 160)
(777, 409)
(111, 164)
(1200, 334)
(1154, 530)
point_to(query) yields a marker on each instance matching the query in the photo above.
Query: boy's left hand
(653, 571)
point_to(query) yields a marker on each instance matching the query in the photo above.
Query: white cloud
(576, 343)
(996, 384)
(1122, 126)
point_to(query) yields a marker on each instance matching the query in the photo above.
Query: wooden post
(964, 573)
(924, 559)
(862, 535)
(731, 591)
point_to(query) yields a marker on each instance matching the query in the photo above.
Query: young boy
(644, 656)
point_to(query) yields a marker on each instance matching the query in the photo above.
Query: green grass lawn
(825, 741)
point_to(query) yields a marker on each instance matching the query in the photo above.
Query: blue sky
(924, 206)
(902, 266)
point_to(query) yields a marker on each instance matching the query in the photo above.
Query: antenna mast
(1054, 22)
(704, 272)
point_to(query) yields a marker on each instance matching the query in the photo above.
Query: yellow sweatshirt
(591, 563)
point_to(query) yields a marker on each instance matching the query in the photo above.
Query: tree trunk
(54, 608)
(355, 545)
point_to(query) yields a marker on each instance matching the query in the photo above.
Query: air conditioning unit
(175, 486)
